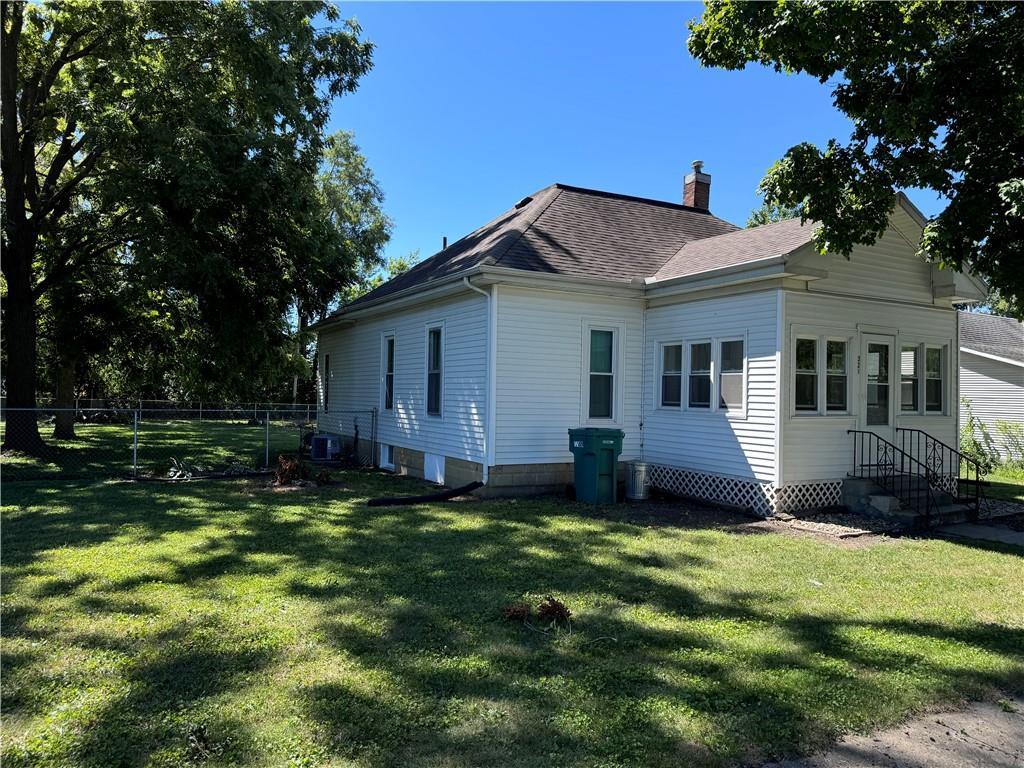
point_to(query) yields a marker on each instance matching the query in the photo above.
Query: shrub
(972, 435)
(1012, 434)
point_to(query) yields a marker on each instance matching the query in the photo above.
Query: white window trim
(618, 330)
(821, 338)
(661, 373)
(384, 464)
(428, 327)
(715, 407)
(384, 371)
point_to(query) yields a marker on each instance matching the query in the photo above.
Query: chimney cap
(698, 166)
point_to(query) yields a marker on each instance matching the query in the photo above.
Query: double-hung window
(806, 379)
(835, 375)
(933, 379)
(435, 360)
(820, 375)
(909, 377)
(730, 374)
(671, 375)
(601, 381)
(389, 373)
(699, 383)
(326, 377)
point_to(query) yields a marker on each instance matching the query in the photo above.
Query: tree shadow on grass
(660, 668)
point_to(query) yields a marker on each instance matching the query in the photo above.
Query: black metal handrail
(893, 470)
(948, 469)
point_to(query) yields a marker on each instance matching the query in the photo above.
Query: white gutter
(490, 379)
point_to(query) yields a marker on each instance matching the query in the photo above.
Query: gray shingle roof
(570, 231)
(737, 247)
(992, 335)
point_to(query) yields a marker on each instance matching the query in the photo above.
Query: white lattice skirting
(762, 498)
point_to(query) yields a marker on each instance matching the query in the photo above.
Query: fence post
(200, 410)
(135, 445)
(266, 444)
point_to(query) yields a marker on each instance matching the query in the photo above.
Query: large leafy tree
(936, 95)
(177, 144)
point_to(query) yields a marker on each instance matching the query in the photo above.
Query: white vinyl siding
(995, 391)
(889, 269)
(541, 389)
(356, 360)
(817, 447)
(715, 439)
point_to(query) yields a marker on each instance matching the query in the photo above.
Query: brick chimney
(697, 187)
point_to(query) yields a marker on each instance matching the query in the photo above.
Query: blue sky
(471, 106)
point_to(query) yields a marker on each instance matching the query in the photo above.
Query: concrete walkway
(983, 734)
(984, 532)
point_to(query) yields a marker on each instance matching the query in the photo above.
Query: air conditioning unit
(325, 447)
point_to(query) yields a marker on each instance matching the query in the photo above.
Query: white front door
(877, 387)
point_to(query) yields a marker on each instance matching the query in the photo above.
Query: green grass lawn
(220, 624)
(105, 450)
(1005, 483)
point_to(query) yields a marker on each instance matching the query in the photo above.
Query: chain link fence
(157, 442)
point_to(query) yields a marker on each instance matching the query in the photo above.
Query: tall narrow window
(730, 376)
(389, 373)
(327, 381)
(700, 375)
(933, 386)
(835, 375)
(602, 376)
(909, 368)
(434, 363)
(672, 375)
(806, 383)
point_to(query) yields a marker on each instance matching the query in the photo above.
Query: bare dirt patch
(985, 733)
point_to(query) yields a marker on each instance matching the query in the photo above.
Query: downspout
(489, 376)
(643, 376)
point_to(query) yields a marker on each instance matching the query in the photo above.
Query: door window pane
(700, 375)
(672, 375)
(835, 375)
(806, 384)
(878, 384)
(730, 380)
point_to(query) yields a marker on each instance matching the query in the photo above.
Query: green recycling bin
(596, 460)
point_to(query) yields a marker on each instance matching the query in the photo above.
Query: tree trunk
(64, 420)
(21, 430)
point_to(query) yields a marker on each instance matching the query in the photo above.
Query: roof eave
(990, 356)
(414, 294)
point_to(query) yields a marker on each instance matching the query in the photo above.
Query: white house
(735, 360)
(992, 373)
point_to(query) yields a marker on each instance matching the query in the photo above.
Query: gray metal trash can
(638, 481)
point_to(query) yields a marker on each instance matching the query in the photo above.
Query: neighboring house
(992, 373)
(735, 360)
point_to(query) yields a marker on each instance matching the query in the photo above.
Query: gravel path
(986, 733)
